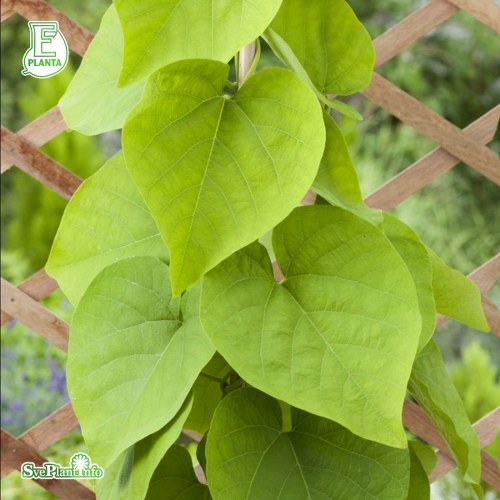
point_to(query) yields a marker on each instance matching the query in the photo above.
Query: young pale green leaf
(456, 295)
(249, 457)
(106, 220)
(337, 337)
(207, 393)
(433, 389)
(286, 54)
(329, 42)
(158, 32)
(128, 477)
(175, 479)
(337, 180)
(93, 103)
(134, 354)
(414, 253)
(420, 488)
(218, 172)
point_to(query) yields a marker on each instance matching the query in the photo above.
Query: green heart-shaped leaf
(337, 179)
(329, 42)
(456, 295)
(158, 32)
(106, 220)
(414, 253)
(93, 103)
(128, 477)
(431, 386)
(134, 354)
(337, 337)
(174, 479)
(218, 172)
(249, 456)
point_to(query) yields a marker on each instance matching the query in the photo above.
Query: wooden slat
(42, 168)
(34, 315)
(412, 28)
(77, 36)
(431, 166)
(15, 452)
(40, 131)
(492, 315)
(486, 429)
(38, 286)
(485, 11)
(435, 127)
(6, 10)
(47, 432)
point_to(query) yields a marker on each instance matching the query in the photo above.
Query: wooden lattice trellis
(454, 145)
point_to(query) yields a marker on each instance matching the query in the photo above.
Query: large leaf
(158, 32)
(415, 255)
(433, 389)
(106, 220)
(337, 180)
(134, 354)
(456, 295)
(207, 393)
(174, 479)
(249, 456)
(329, 42)
(218, 172)
(93, 103)
(128, 477)
(337, 337)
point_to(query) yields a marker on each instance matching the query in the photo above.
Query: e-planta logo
(48, 52)
(80, 467)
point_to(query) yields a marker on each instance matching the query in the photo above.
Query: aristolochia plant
(208, 299)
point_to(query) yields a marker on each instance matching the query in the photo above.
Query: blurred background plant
(455, 70)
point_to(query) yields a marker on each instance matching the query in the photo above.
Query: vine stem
(245, 60)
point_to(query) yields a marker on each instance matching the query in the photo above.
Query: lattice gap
(453, 146)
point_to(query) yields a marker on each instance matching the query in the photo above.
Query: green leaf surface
(158, 32)
(420, 488)
(456, 295)
(426, 455)
(174, 479)
(93, 103)
(329, 42)
(433, 389)
(218, 172)
(207, 394)
(415, 255)
(286, 54)
(337, 180)
(337, 337)
(134, 354)
(250, 458)
(128, 477)
(106, 220)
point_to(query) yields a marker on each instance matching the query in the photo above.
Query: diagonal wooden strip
(34, 315)
(40, 131)
(401, 36)
(42, 168)
(486, 429)
(435, 127)
(431, 166)
(38, 286)
(47, 432)
(492, 315)
(77, 36)
(7, 10)
(15, 452)
(485, 11)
